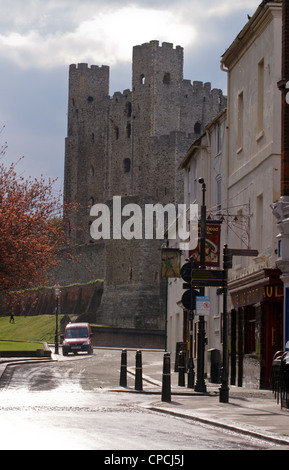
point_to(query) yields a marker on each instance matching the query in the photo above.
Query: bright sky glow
(39, 39)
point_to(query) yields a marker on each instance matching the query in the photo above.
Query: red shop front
(256, 327)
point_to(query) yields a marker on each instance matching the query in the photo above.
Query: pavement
(255, 413)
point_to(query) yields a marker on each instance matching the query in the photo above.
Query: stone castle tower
(130, 145)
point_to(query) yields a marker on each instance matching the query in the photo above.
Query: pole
(200, 384)
(181, 367)
(224, 390)
(57, 292)
(138, 371)
(166, 385)
(191, 366)
(123, 369)
(191, 372)
(56, 327)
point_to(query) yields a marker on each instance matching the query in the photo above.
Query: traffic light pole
(200, 384)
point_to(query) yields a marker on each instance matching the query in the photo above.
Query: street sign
(203, 305)
(207, 277)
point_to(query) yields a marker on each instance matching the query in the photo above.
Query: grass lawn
(36, 328)
(19, 346)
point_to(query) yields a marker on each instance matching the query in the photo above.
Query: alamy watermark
(153, 221)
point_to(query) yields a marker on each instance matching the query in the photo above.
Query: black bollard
(181, 368)
(138, 371)
(191, 374)
(123, 369)
(166, 389)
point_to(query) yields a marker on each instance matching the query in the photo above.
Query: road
(75, 404)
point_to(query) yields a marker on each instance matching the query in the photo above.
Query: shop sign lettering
(257, 294)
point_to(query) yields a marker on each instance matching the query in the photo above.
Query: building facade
(242, 176)
(206, 158)
(281, 207)
(253, 66)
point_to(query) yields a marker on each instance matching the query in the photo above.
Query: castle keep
(130, 145)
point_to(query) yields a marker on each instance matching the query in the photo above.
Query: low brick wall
(128, 338)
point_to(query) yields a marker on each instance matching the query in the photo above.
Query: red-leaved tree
(31, 231)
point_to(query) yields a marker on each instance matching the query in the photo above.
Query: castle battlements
(82, 67)
(156, 44)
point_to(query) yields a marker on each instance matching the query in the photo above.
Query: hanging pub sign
(212, 247)
(170, 262)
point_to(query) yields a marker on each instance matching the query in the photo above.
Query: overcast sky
(40, 38)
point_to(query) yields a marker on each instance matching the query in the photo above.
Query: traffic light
(189, 296)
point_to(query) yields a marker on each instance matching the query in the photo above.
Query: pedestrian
(12, 318)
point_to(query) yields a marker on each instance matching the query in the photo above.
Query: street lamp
(200, 384)
(57, 293)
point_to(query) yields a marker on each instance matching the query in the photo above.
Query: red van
(77, 338)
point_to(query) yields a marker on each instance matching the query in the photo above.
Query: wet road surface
(72, 404)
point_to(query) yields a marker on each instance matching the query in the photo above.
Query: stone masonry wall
(131, 145)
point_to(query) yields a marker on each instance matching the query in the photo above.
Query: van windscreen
(76, 333)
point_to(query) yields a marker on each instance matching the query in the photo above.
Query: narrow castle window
(128, 109)
(142, 79)
(126, 165)
(167, 78)
(128, 130)
(116, 132)
(197, 128)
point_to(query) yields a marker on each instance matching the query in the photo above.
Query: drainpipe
(224, 69)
